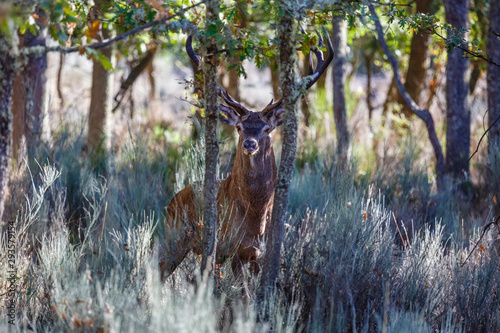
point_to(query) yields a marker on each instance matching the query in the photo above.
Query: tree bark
(493, 75)
(29, 95)
(275, 82)
(60, 94)
(101, 95)
(419, 53)
(457, 108)
(6, 86)
(482, 31)
(425, 115)
(339, 75)
(211, 148)
(288, 70)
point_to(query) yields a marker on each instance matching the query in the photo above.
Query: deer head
(254, 127)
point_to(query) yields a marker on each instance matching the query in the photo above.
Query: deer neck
(255, 180)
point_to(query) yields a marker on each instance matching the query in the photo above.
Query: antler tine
(227, 98)
(322, 63)
(232, 102)
(321, 42)
(189, 49)
(271, 106)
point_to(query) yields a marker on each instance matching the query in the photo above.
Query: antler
(271, 106)
(232, 102)
(320, 68)
(322, 63)
(189, 49)
(240, 109)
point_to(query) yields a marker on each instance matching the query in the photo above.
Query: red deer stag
(245, 197)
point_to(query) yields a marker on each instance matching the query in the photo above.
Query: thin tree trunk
(482, 30)
(59, 80)
(339, 75)
(493, 75)
(18, 113)
(419, 53)
(304, 102)
(211, 149)
(151, 78)
(369, 104)
(457, 108)
(275, 82)
(6, 86)
(29, 98)
(234, 80)
(100, 100)
(288, 69)
(425, 115)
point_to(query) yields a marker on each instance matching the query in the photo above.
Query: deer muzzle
(250, 147)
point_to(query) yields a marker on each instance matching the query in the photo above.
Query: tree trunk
(6, 84)
(59, 80)
(275, 82)
(234, 80)
(419, 53)
(457, 108)
(288, 69)
(29, 95)
(481, 25)
(425, 115)
(493, 75)
(339, 75)
(211, 149)
(101, 92)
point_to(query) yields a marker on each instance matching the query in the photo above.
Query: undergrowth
(358, 255)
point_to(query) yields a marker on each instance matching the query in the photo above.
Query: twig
(486, 227)
(122, 36)
(482, 136)
(195, 104)
(393, 4)
(399, 231)
(466, 50)
(102, 230)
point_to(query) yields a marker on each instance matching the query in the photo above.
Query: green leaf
(105, 62)
(100, 57)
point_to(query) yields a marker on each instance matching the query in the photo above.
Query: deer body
(245, 197)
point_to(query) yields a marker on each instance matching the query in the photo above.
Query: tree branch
(466, 50)
(482, 136)
(125, 35)
(485, 228)
(425, 115)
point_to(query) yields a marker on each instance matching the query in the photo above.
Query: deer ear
(228, 116)
(275, 116)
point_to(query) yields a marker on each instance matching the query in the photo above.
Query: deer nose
(250, 145)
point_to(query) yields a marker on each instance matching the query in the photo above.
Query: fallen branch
(424, 115)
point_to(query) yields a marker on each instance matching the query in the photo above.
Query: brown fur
(244, 200)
